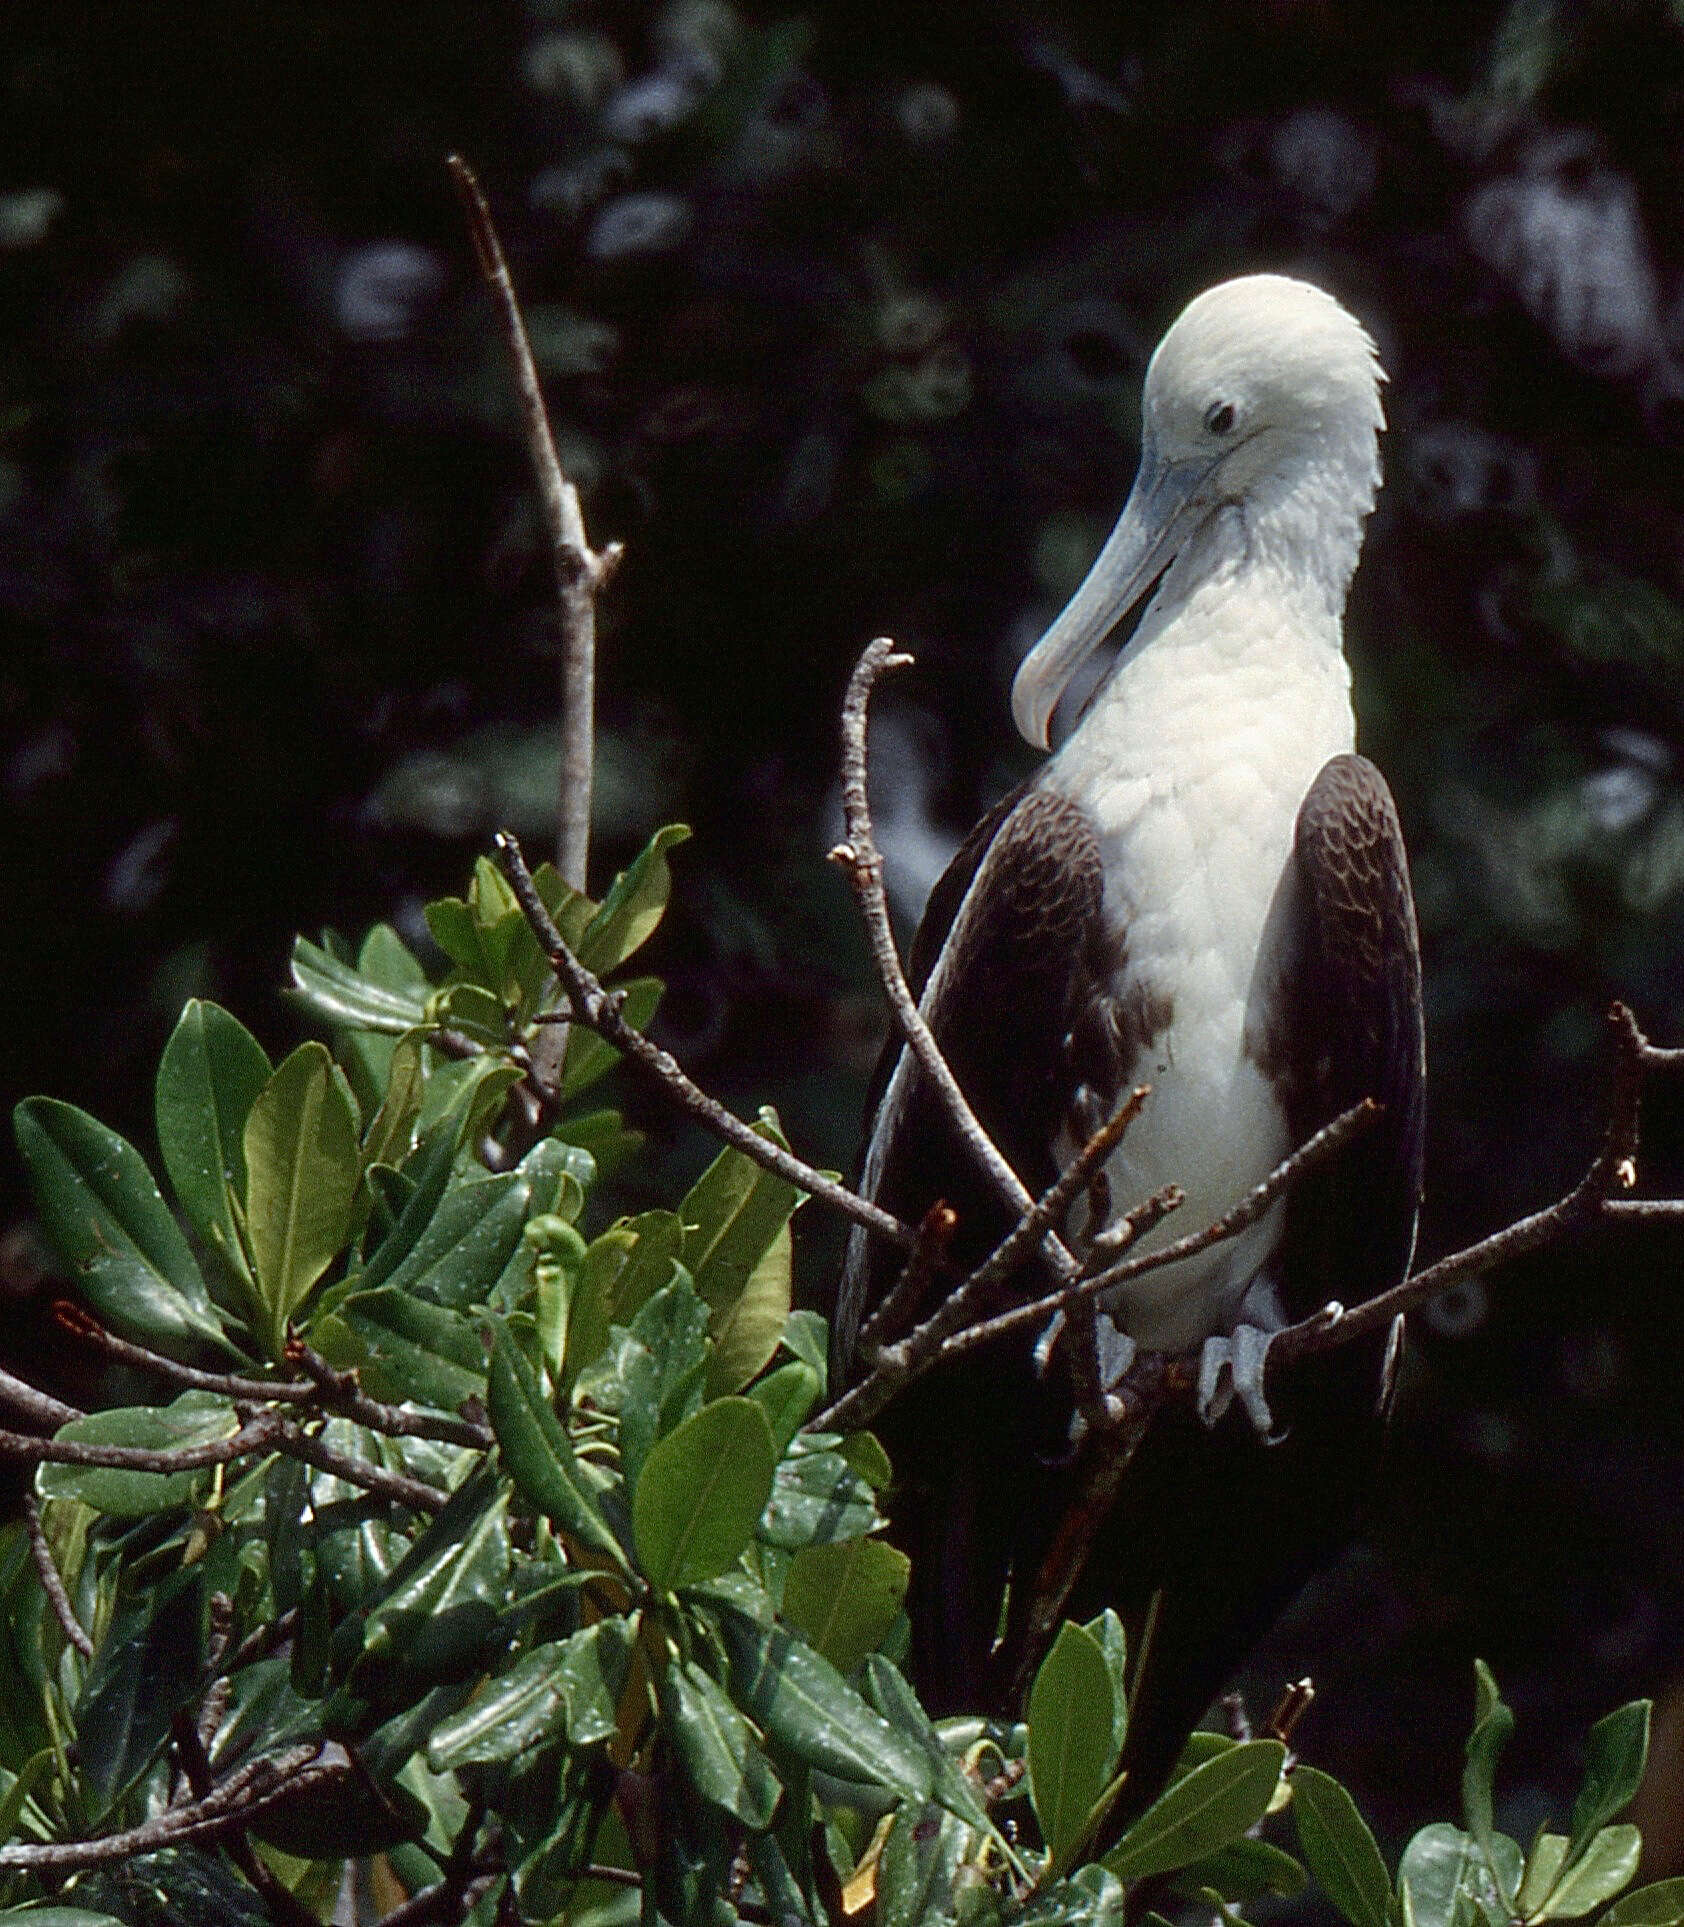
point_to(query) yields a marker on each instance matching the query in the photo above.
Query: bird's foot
(1233, 1367)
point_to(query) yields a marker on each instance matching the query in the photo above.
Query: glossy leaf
(1543, 1869)
(798, 1699)
(473, 1234)
(1661, 1904)
(1615, 1756)
(889, 1694)
(404, 1348)
(1445, 1872)
(537, 1452)
(1493, 1723)
(1340, 1849)
(340, 994)
(845, 1597)
(817, 1499)
(1070, 1737)
(633, 905)
(196, 1418)
(701, 1493)
(1107, 1628)
(210, 1075)
(663, 1372)
(147, 1668)
(1607, 1866)
(103, 1211)
(716, 1747)
(1212, 1805)
(572, 1686)
(916, 1870)
(304, 1165)
(746, 1332)
(807, 1337)
(786, 1396)
(389, 1138)
(1244, 1870)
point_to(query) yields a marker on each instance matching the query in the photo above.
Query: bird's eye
(1219, 417)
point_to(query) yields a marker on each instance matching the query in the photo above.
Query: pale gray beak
(1162, 511)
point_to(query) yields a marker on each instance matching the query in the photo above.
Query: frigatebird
(1203, 890)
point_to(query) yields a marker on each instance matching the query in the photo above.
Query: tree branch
(51, 1583)
(40, 1408)
(599, 1010)
(580, 571)
(246, 1793)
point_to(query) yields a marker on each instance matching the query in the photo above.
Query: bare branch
(40, 1408)
(282, 1906)
(51, 1583)
(599, 1010)
(935, 1235)
(378, 1479)
(860, 857)
(580, 572)
(245, 1794)
(324, 1390)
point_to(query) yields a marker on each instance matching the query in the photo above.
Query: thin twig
(238, 1800)
(323, 1390)
(40, 1408)
(417, 1494)
(282, 1905)
(580, 571)
(1315, 1151)
(935, 1234)
(862, 860)
(1613, 1168)
(433, 1903)
(260, 1434)
(599, 1010)
(51, 1583)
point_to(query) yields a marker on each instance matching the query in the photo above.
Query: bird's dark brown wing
(1006, 951)
(1226, 1527)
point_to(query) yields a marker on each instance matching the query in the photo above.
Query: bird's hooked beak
(1164, 507)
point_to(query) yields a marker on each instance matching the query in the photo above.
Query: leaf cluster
(509, 1523)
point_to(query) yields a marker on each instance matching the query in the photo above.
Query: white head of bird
(1258, 455)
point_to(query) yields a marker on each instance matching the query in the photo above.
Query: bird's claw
(1233, 1367)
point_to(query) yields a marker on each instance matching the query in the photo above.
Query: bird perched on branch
(1204, 890)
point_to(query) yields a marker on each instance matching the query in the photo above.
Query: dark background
(843, 311)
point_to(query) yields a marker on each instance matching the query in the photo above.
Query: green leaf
(807, 1337)
(1607, 1865)
(404, 1348)
(817, 1499)
(208, 1079)
(146, 1669)
(342, 995)
(1340, 1849)
(1616, 1753)
(800, 1701)
(1493, 1723)
(786, 1396)
(916, 1869)
(42, 1916)
(1107, 1628)
(895, 1700)
(845, 1597)
(747, 1331)
(537, 1452)
(1543, 1869)
(104, 1213)
(473, 1234)
(715, 1746)
(196, 1418)
(1243, 1870)
(304, 1161)
(1446, 1873)
(701, 1493)
(1070, 1737)
(571, 1687)
(633, 906)
(1214, 1804)
(734, 1220)
(391, 1131)
(17, 1794)
(1661, 1904)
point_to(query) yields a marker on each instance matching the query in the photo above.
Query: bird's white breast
(1192, 763)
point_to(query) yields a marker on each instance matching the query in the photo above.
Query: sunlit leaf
(210, 1075)
(716, 1747)
(701, 1493)
(1614, 1760)
(1070, 1736)
(1340, 1849)
(1607, 1864)
(633, 905)
(196, 1418)
(845, 1597)
(1212, 1805)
